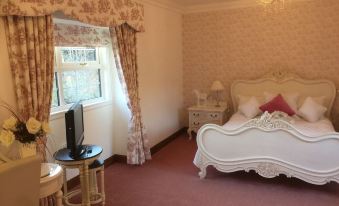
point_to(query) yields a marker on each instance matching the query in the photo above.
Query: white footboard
(269, 147)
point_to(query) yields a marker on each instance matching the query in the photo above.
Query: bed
(272, 144)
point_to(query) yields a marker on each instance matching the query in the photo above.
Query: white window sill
(87, 107)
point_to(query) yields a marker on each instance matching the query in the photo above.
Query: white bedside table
(52, 183)
(200, 115)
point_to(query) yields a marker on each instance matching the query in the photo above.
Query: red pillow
(277, 104)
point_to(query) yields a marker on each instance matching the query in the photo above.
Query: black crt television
(75, 130)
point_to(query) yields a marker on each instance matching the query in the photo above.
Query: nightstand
(198, 116)
(51, 183)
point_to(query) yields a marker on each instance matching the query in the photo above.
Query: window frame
(102, 65)
(55, 81)
(70, 66)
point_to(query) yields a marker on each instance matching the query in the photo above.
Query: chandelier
(273, 5)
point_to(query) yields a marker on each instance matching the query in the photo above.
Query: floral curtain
(31, 55)
(77, 35)
(106, 13)
(124, 43)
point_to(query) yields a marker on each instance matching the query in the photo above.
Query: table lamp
(217, 87)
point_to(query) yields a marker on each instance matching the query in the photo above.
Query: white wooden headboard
(279, 82)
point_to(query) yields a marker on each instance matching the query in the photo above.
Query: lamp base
(218, 99)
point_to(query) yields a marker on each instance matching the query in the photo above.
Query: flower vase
(27, 150)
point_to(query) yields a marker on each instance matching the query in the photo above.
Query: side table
(82, 162)
(52, 183)
(200, 115)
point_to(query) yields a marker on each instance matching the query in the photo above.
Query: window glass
(78, 54)
(76, 80)
(81, 85)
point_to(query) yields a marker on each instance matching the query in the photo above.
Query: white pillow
(311, 110)
(319, 99)
(249, 107)
(290, 98)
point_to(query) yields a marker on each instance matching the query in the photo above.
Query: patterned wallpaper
(245, 44)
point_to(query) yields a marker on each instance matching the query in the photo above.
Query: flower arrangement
(26, 132)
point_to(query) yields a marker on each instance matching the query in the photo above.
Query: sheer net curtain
(124, 47)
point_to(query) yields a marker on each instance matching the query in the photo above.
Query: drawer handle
(196, 114)
(196, 123)
(214, 115)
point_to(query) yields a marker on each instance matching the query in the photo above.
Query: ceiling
(199, 2)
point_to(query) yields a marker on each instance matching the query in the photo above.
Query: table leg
(189, 132)
(82, 185)
(102, 190)
(58, 197)
(93, 187)
(86, 196)
(65, 182)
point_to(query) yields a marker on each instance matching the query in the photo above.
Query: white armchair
(20, 182)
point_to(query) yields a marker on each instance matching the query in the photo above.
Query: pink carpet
(172, 179)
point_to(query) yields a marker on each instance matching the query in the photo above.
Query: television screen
(75, 129)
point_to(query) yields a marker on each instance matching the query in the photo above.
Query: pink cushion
(277, 104)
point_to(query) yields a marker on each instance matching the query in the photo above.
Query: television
(75, 130)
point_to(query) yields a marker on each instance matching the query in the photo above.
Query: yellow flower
(33, 126)
(46, 128)
(10, 124)
(7, 138)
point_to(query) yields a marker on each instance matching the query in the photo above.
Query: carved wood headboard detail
(282, 81)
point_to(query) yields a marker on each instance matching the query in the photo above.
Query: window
(79, 75)
(55, 92)
(79, 55)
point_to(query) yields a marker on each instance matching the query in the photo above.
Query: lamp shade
(217, 86)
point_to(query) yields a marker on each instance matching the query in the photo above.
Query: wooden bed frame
(271, 146)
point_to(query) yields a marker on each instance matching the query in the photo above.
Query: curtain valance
(77, 35)
(106, 13)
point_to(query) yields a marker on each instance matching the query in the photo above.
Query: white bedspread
(312, 129)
